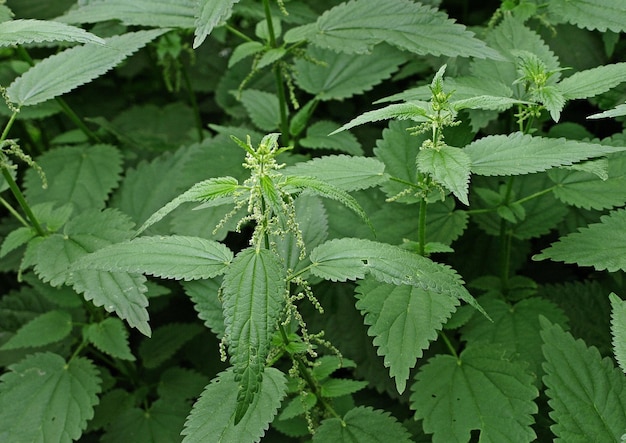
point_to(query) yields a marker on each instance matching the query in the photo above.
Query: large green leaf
(174, 256)
(165, 342)
(44, 398)
(592, 82)
(212, 418)
(111, 337)
(481, 390)
(519, 153)
(158, 13)
(587, 393)
(345, 172)
(356, 26)
(17, 32)
(364, 425)
(47, 328)
(344, 75)
(209, 14)
(253, 292)
(449, 166)
(618, 329)
(403, 320)
(601, 245)
(65, 71)
(206, 301)
(263, 109)
(82, 175)
(591, 14)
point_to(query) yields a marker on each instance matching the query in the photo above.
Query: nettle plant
(297, 273)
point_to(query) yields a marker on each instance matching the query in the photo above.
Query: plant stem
(422, 228)
(13, 212)
(446, 340)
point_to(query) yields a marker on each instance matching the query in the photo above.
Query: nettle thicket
(245, 220)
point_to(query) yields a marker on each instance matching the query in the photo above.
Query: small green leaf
(363, 425)
(206, 301)
(317, 138)
(176, 256)
(590, 14)
(47, 328)
(15, 239)
(449, 166)
(212, 417)
(481, 390)
(618, 329)
(181, 384)
(165, 342)
(338, 387)
(403, 320)
(244, 50)
(58, 396)
(111, 337)
(412, 110)
(592, 82)
(17, 32)
(518, 153)
(65, 71)
(253, 292)
(617, 111)
(209, 14)
(601, 245)
(263, 109)
(586, 392)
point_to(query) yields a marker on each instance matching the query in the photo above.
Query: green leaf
(618, 329)
(210, 14)
(590, 14)
(156, 13)
(344, 172)
(617, 111)
(601, 245)
(212, 417)
(51, 327)
(253, 292)
(82, 175)
(317, 138)
(449, 166)
(65, 71)
(403, 321)
(175, 256)
(363, 425)
(17, 32)
(356, 26)
(181, 384)
(205, 297)
(413, 110)
(517, 153)
(165, 342)
(586, 392)
(263, 109)
(244, 50)
(15, 239)
(343, 75)
(214, 189)
(352, 258)
(338, 387)
(111, 337)
(45, 398)
(481, 390)
(592, 82)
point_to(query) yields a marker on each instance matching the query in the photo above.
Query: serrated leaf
(253, 292)
(263, 109)
(356, 26)
(592, 82)
(618, 329)
(480, 390)
(345, 172)
(15, 239)
(364, 425)
(111, 337)
(317, 138)
(65, 71)
(586, 392)
(518, 153)
(82, 175)
(403, 321)
(344, 75)
(413, 110)
(181, 384)
(590, 14)
(165, 342)
(17, 32)
(483, 102)
(44, 329)
(245, 50)
(58, 395)
(175, 256)
(205, 297)
(212, 417)
(353, 258)
(210, 14)
(617, 111)
(601, 245)
(449, 166)
(338, 387)
(156, 13)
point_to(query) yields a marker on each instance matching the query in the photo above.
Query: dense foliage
(368, 220)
